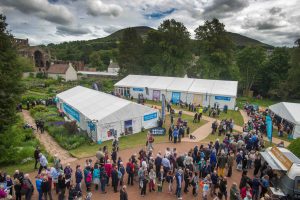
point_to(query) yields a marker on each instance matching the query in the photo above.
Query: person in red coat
(247, 190)
(108, 169)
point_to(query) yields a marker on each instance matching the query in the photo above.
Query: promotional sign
(269, 127)
(69, 110)
(158, 131)
(163, 107)
(222, 98)
(138, 89)
(128, 127)
(175, 97)
(92, 130)
(156, 95)
(281, 157)
(150, 116)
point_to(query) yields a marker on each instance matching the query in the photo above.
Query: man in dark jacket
(37, 151)
(157, 163)
(78, 177)
(130, 172)
(115, 178)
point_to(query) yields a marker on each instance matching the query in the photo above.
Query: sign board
(150, 116)
(138, 89)
(222, 98)
(175, 97)
(71, 111)
(158, 131)
(281, 157)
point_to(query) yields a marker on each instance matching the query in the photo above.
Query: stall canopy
(289, 112)
(190, 85)
(95, 105)
(275, 159)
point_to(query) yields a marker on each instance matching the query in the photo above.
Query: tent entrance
(175, 97)
(128, 127)
(198, 99)
(156, 95)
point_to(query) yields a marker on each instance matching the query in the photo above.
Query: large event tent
(289, 112)
(103, 115)
(198, 91)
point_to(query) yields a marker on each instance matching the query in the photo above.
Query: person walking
(43, 162)
(28, 187)
(37, 152)
(179, 179)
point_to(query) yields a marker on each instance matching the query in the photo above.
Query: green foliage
(65, 139)
(295, 147)
(129, 57)
(71, 127)
(26, 64)
(215, 51)
(41, 75)
(96, 61)
(250, 61)
(167, 50)
(10, 78)
(38, 108)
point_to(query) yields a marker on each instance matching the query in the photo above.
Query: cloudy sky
(275, 22)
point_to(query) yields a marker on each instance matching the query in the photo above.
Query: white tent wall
(296, 132)
(135, 91)
(148, 122)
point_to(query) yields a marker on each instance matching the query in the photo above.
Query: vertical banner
(269, 127)
(163, 107)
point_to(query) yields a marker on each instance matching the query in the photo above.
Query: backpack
(128, 169)
(88, 178)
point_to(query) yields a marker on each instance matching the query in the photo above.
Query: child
(169, 180)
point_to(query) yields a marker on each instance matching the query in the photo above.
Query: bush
(71, 127)
(38, 109)
(295, 147)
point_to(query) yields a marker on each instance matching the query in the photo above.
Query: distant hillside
(80, 50)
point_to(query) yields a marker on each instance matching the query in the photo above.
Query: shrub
(295, 147)
(71, 127)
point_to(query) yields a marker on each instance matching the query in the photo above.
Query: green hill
(80, 50)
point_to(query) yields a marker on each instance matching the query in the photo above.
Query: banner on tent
(71, 111)
(222, 98)
(138, 89)
(150, 116)
(269, 127)
(175, 97)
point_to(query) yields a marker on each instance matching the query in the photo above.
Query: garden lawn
(231, 114)
(285, 135)
(261, 102)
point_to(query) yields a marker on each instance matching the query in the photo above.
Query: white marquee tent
(198, 91)
(103, 115)
(289, 112)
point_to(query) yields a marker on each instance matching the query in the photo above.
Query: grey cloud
(72, 30)
(224, 8)
(275, 10)
(111, 29)
(98, 8)
(266, 25)
(42, 9)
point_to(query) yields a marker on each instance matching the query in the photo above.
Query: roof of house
(58, 69)
(113, 65)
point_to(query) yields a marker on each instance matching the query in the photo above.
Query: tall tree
(215, 50)
(96, 61)
(130, 49)
(10, 77)
(250, 61)
(293, 80)
(167, 50)
(274, 72)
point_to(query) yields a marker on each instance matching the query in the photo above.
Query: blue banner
(163, 107)
(175, 97)
(150, 116)
(69, 110)
(138, 89)
(269, 127)
(222, 98)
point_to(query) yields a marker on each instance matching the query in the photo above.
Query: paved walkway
(48, 142)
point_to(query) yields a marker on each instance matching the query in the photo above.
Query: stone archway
(38, 59)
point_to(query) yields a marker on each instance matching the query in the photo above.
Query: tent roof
(97, 105)
(215, 87)
(288, 111)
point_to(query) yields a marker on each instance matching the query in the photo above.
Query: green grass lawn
(231, 114)
(261, 102)
(285, 135)
(25, 168)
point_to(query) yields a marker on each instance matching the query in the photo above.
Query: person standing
(123, 193)
(234, 192)
(68, 175)
(46, 188)
(170, 134)
(223, 187)
(78, 177)
(222, 160)
(230, 163)
(17, 187)
(27, 184)
(265, 183)
(37, 152)
(130, 172)
(152, 177)
(115, 178)
(150, 141)
(179, 179)
(62, 187)
(43, 162)
(175, 135)
(38, 184)
(144, 184)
